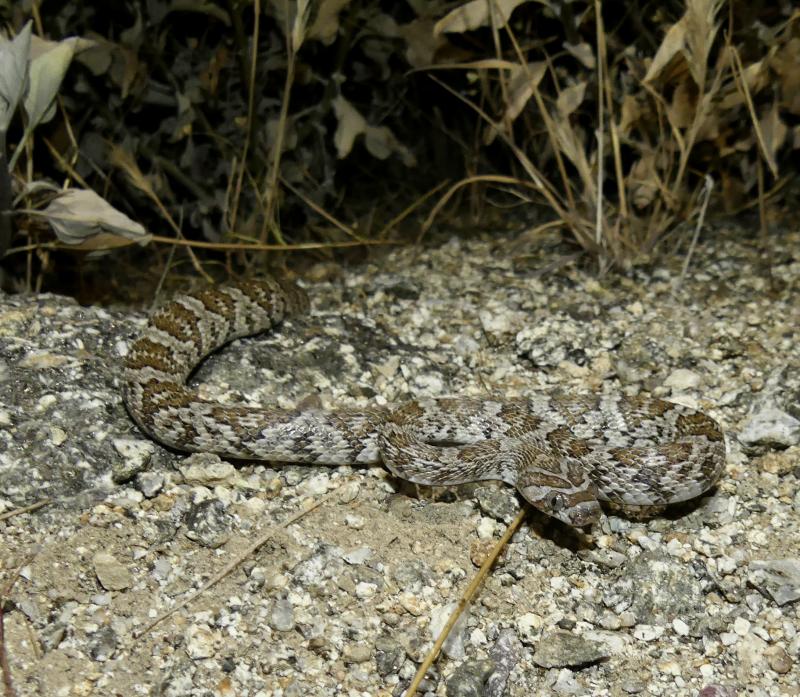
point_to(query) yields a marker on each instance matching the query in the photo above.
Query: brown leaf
(671, 45)
(523, 82)
(478, 13)
(682, 108)
(570, 99)
(773, 133)
(643, 181)
(326, 23)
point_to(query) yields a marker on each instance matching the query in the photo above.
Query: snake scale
(563, 453)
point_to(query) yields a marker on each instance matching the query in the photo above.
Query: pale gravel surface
(702, 600)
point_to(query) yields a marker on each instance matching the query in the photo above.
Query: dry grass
(622, 182)
(326, 141)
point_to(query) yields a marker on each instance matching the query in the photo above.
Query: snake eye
(556, 502)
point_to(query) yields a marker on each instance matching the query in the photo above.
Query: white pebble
(680, 627)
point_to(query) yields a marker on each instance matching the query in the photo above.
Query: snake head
(562, 490)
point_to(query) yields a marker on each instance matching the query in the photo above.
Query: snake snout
(575, 508)
(585, 513)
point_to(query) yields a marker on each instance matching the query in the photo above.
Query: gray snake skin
(563, 453)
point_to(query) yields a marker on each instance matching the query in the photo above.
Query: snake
(565, 453)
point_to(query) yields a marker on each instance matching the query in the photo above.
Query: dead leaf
(80, 214)
(773, 133)
(478, 13)
(325, 26)
(351, 125)
(643, 181)
(13, 73)
(701, 29)
(49, 63)
(523, 82)
(785, 62)
(583, 52)
(630, 114)
(379, 140)
(421, 42)
(681, 109)
(671, 45)
(570, 99)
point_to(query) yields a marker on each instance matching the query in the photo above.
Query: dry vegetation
(233, 127)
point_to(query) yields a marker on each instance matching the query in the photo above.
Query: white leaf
(326, 23)
(13, 72)
(46, 72)
(379, 140)
(79, 214)
(351, 124)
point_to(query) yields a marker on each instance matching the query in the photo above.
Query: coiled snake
(563, 453)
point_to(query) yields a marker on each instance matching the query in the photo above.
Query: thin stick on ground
(24, 509)
(5, 667)
(220, 246)
(243, 556)
(8, 684)
(466, 599)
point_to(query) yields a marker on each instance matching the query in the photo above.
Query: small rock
(680, 627)
(496, 502)
(207, 469)
(682, 379)
(356, 653)
(648, 632)
(136, 455)
(529, 623)
(411, 604)
(389, 656)
(469, 678)
(741, 626)
(564, 650)
(357, 556)
(58, 435)
(486, 528)
(365, 590)
(102, 644)
(505, 654)
(770, 427)
(610, 621)
(778, 579)
(718, 691)
(149, 483)
(453, 646)
(199, 642)
(113, 576)
(778, 659)
(633, 687)
(317, 485)
(162, 568)
(281, 618)
(208, 523)
(52, 635)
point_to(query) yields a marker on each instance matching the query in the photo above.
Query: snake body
(564, 453)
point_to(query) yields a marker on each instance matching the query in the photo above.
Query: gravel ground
(347, 598)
